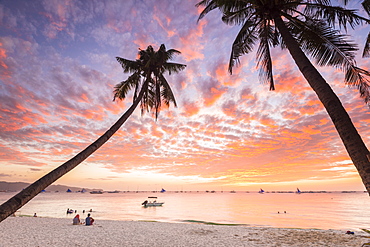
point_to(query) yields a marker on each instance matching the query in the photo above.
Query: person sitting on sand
(76, 220)
(89, 220)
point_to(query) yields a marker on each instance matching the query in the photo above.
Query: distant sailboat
(298, 191)
(69, 190)
(261, 191)
(163, 190)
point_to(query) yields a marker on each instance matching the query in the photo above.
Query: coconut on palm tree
(151, 90)
(303, 27)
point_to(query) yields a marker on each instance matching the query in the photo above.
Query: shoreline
(43, 231)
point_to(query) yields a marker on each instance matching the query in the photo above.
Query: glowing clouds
(190, 108)
(211, 91)
(3, 57)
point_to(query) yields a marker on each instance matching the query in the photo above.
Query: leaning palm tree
(303, 27)
(151, 90)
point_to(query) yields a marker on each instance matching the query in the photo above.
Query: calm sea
(349, 211)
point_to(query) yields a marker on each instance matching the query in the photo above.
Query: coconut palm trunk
(20, 199)
(352, 141)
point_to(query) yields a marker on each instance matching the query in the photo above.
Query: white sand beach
(38, 231)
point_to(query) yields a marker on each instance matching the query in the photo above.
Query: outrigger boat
(153, 203)
(96, 192)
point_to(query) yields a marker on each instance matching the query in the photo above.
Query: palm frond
(243, 43)
(167, 93)
(361, 79)
(335, 15)
(157, 99)
(264, 61)
(173, 67)
(121, 89)
(129, 66)
(326, 45)
(366, 52)
(366, 5)
(146, 102)
(209, 6)
(171, 54)
(237, 15)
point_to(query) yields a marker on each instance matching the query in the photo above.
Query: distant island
(18, 186)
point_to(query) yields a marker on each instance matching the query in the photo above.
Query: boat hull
(153, 204)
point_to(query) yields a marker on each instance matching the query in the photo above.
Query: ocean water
(335, 210)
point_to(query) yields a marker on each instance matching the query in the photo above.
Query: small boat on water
(96, 192)
(298, 191)
(153, 203)
(115, 191)
(261, 191)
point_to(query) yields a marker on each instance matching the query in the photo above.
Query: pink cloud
(211, 91)
(8, 155)
(169, 32)
(230, 108)
(190, 108)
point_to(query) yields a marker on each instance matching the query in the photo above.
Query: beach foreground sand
(37, 231)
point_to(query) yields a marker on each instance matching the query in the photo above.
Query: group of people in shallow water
(71, 211)
(88, 221)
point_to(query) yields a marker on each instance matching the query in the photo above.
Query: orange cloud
(194, 36)
(190, 108)
(191, 53)
(310, 109)
(212, 91)
(8, 155)
(311, 130)
(224, 77)
(170, 33)
(269, 122)
(230, 109)
(155, 132)
(3, 56)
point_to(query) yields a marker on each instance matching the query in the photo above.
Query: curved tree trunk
(20, 199)
(351, 139)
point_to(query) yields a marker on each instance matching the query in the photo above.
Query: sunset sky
(229, 132)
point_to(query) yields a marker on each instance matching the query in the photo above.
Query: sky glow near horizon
(229, 132)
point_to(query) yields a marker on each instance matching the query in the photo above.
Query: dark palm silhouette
(303, 27)
(151, 88)
(366, 7)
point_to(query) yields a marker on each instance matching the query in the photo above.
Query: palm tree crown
(148, 76)
(310, 22)
(304, 27)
